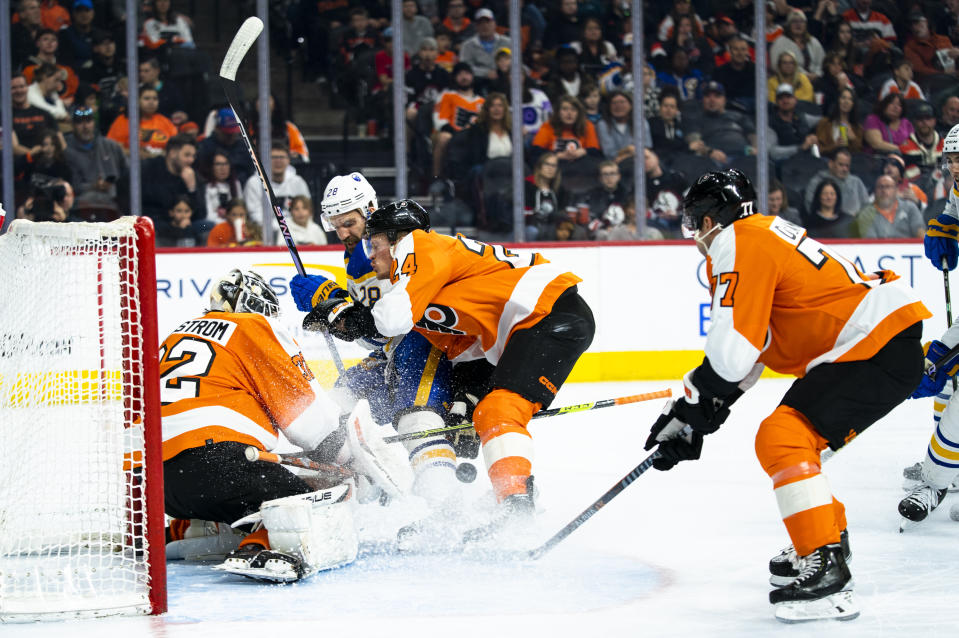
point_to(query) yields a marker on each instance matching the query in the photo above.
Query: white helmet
(951, 143)
(239, 291)
(346, 193)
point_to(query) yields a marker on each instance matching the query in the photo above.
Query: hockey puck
(953, 511)
(466, 472)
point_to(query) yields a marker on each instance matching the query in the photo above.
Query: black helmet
(395, 217)
(723, 195)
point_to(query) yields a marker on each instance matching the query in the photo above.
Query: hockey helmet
(951, 143)
(239, 291)
(346, 193)
(725, 196)
(396, 217)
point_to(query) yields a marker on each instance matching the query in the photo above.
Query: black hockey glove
(677, 442)
(343, 318)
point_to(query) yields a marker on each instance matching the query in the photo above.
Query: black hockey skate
(821, 591)
(785, 566)
(920, 502)
(267, 565)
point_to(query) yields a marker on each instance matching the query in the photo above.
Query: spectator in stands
(487, 138)
(49, 201)
(901, 82)
(285, 182)
(679, 74)
(166, 27)
(666, 129)
(47, 44)
(787, 72)
(566, 79)
(570, 135)
(502, 82)
(53, 16)
(841, 128)
(29, 122)
(738, 75)
(565, 25)
(853, 193)
(76, 40)
(827, 218)
(446, 57)
(886, 127)
(96, 163)
(825, 20)
(721, 134)
(664, 196)
(924, 146)
(594, 52)
(946, 20)
(43, 92)
(864, 20)
(544, 199)
(888, 216)
(615, 131)
(611, 191)
(459, 26)
(426, 80)
(226, 139)
(591, 100)
(23, 32)
(155, 129)
(846, 48)
(680, 8)
(238, 229)
(454, 110)
(627, 229)
(802, 44)
(923, 48)
(168, 176)
(220, 188)
(415, 27)
(479, 51)
(777, 203)
(303, 229)
(834, 79)
(104, 71)
(895, 167)
(178, 228)
(281, 128)
(380, 109)
(698, 50)
(171, 103)
(790, 132)
(949, 115)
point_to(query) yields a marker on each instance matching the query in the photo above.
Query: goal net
(81, 496)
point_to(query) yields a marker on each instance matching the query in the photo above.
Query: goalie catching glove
(935, 377)
(309, 290)
(940, 241)
(343, 318)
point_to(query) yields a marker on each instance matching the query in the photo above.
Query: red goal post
(81, 478)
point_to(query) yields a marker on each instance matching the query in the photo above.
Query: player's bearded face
(350, 228)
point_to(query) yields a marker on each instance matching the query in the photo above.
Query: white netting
(72, 530)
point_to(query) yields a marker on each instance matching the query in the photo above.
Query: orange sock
(500, 420)
(259, 537)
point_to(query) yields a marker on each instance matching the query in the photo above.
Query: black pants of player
(843, 399)
(537, 360)
(216, 483)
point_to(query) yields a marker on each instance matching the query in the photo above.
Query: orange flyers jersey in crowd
(238, 377)
(467, 297)
(456, 110)
(791, 303)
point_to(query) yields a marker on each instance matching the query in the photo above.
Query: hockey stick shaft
(580, 407)
(255, 454)
(247, 34)
(945, 285)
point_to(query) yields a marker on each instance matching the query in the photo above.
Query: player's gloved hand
(935, 378)
(309, 290)
(343, 318)
(466, 442)
(676, 440)
(940, 241)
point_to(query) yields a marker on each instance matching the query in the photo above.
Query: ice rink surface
(680, 553)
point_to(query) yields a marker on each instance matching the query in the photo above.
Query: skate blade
(905, 524)
(781, 581)
(909, 484)
(261, 574)
(839, 606)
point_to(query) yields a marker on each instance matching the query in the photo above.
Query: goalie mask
(344, 194)
(247, 291)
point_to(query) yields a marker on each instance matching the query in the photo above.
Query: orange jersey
(789, 302)
(155, 131)
(67, 76)
(467, 297)
(456, 110)
(548, 138)
(447, 60)
(238, 377)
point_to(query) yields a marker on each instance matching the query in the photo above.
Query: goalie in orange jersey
(512, 325)
(783, 300)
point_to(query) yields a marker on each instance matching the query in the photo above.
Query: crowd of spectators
(860, 95)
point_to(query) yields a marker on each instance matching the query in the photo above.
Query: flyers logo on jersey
(300, 362)
(438, 318)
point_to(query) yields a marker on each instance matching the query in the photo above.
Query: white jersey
(952, 205)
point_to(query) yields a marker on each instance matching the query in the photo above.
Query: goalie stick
(247, 34)
(580, 407)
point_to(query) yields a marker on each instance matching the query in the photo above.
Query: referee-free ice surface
(680, 553)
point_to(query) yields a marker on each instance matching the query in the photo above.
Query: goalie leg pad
(385, 464)
(316, 527)
(432, 458)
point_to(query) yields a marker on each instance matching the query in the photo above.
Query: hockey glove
(940, 241)
(309, 290)
(677, 442)
(465, 442)
(935, 378)
(343, 318)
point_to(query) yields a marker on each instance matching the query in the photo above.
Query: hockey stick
(580, 407)
(254, 454)
(945, 283)
(245, 37)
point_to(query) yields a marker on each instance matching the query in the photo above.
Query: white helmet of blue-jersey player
(239, 291)
(951, 143)
(344, 194)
